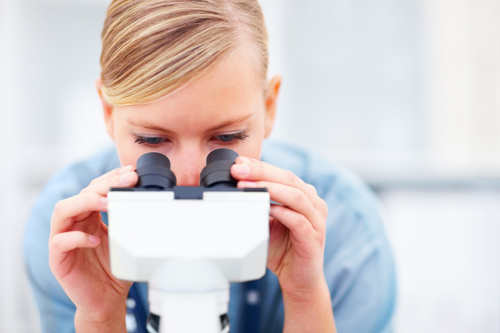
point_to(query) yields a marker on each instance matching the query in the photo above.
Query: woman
(184, 78)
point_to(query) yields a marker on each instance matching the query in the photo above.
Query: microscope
(188, 242)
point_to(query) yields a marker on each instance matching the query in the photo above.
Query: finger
(254, 170)
(317, 201)
(61, 244)
(113, 173)
(251, 169)
(301, 230)
(125, 178)
(290, 197)
(68, 241)
(74, 209)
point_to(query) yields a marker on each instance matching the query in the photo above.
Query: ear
(106, 108)
(271, 102)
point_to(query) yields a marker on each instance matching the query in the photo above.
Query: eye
(153, 140)
(226, 137)
(229, 137)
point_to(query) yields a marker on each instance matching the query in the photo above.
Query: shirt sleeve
(358, 262)
(55, 308)
(359, 266)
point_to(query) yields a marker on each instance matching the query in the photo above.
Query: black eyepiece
(154, 172)
(217, 172)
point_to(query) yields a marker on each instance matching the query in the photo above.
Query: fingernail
(127, 178)
(125, 169)
(104, 201)
(243, 159)
(242, 184)
(241, 169)
(94, 239)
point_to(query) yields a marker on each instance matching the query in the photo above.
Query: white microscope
(188, 242)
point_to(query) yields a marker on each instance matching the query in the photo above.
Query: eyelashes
(149, 140)
(241, 136)
(226, 138)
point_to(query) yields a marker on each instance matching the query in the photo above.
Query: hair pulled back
(153, 47)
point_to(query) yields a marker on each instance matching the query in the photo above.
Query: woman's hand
(79, 254)
(297, 226)
(296, 245)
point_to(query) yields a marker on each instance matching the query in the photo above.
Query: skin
(186, 125)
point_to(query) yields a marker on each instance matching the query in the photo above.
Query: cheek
(128, 152)
(251, 148)
(127, 159)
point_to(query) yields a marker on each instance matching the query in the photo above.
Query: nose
(187, 165)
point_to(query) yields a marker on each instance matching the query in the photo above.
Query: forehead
(232, 89)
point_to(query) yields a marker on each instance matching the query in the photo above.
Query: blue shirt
(358, 264)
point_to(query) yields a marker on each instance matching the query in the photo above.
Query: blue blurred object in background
(405, 93)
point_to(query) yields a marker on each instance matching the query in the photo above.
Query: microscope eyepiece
(217, 171)
(154, 172)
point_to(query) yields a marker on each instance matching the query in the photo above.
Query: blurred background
(405, 93)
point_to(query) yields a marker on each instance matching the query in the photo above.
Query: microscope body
(188, 243)
(149, 227)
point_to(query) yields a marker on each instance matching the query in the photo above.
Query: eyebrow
(212, 129)
(231, 122)
(146, 125)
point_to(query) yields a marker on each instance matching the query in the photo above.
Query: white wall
(447, 253)
(17, 312)
(403, 92)
(393, 87)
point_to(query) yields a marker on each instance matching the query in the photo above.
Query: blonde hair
(153, 47)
